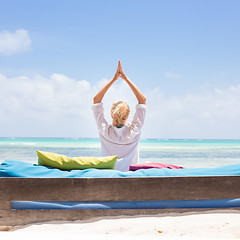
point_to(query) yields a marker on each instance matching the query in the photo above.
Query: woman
(120, 138)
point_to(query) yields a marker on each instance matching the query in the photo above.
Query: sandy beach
(217, 224)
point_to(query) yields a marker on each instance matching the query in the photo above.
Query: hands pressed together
(119, 72)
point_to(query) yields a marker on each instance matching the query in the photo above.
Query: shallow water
(184, 152)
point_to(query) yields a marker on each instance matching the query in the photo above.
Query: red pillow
(152, 165)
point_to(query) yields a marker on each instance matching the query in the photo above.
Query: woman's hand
(120, 70)
(123, 76)
(116, 76)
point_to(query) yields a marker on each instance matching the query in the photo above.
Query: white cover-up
(124, 141)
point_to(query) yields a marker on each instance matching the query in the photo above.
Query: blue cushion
(15, 168)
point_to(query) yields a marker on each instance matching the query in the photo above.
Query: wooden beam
(5, 205)
(119, 189)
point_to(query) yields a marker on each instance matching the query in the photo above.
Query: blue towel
(15, 168)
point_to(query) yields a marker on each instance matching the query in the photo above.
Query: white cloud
(18, 41)
(58, 106)
(173, 75)
(209, 114)
(47, 106)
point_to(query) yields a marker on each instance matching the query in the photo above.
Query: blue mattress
(15, 168)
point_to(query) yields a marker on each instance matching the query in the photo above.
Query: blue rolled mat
(166, 204)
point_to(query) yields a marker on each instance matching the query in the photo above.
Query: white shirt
(124, 141)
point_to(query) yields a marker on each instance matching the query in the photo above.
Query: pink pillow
(152, 165)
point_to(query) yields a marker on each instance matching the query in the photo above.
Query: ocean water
(184, 152)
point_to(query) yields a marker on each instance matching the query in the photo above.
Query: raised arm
(99, 96)
(139, 95)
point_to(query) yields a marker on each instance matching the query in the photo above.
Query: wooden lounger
(107, 189)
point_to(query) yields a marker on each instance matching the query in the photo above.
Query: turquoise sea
(183, 152)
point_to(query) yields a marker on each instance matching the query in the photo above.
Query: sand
(217, 224)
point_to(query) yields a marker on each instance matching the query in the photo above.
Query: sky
(183, 55)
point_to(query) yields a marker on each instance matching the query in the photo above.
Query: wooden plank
(22, 217)
(119, 189)
(5, 205)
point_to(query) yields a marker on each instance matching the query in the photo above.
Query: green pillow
(65, 163)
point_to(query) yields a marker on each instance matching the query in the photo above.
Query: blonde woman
(120, 138)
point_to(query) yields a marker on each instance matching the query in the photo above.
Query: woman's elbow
(96, 100)
(143, 100)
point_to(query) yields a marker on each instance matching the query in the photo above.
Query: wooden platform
(107, 189)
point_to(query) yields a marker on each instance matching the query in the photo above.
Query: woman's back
(123, 141)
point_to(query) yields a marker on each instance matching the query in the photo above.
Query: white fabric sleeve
(139, 117)
(98, 112)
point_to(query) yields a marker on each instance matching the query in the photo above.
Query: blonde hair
(120, 112)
